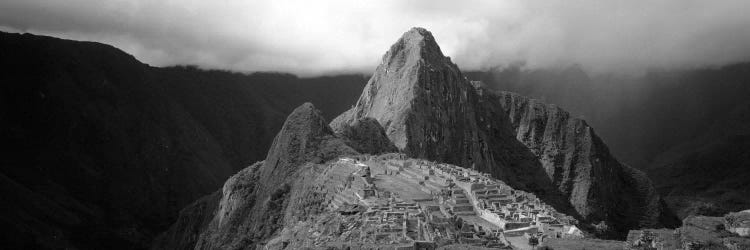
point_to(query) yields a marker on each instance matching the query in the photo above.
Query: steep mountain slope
(708, 175)
(580, 164)
(640, 116)
(367, 136)
(258, 200)
(105, 150)
(429, 110)
(88, 131)
(245, 111)
(679, 126)
(251, 210)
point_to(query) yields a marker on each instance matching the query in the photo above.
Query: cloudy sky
(325, 37)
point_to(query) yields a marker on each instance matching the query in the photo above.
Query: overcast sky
(324, 37)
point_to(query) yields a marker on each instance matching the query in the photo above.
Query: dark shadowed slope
(640, 116)
(104, 150)
(244, 111)
(88, 130)
(708, 175)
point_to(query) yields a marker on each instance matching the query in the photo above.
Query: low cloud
(323, 37)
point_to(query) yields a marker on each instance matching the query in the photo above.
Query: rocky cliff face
(366, 136)
(579, 163)
(429, 110)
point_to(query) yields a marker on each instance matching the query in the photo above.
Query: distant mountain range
(105, 150)
(102, 151)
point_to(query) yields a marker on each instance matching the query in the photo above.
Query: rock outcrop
(429, 110)
(696, 233)
(738, 223)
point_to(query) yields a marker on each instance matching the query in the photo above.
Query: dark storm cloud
(310, 37)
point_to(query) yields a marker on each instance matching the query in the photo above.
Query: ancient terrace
(392, 200)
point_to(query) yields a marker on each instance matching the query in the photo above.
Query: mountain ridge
(565, 144)
(118, 147)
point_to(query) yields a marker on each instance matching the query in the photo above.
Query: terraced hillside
(391, 201)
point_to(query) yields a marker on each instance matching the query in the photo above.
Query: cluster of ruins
(518, 213)
(409, 202)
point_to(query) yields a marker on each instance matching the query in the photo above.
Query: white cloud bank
(318, 37)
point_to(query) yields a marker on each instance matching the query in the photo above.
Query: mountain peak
(414, 46)
(418, 34)
(419, 37)
(413, 76)
(299, 136)
(419, 30)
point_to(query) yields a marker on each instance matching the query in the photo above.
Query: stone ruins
(409, 203)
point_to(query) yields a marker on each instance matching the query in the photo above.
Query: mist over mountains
(345, 36)
(106, 150)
